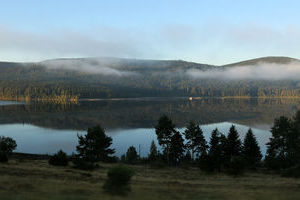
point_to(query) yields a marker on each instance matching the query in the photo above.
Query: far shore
(21, 101)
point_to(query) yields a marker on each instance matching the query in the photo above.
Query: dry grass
(35, 179)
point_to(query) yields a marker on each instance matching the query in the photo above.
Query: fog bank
(92, 66)
(260, 71)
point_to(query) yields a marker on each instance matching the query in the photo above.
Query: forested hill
(270, 60)
(71, 79)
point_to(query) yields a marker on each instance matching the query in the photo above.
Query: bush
(7, 144)
(118, 181)
(292, 172)
(80, 163)
(59, 159)
(236, 166)
(3, 157)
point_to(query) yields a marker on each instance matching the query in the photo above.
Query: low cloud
(260, 71)
(90, 66)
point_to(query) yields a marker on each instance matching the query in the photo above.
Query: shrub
(118, 181)
(80, 163)
(3, 157)
(236, 166)
(59, 159)
(7, 144)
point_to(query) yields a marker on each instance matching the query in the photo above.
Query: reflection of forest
(139, 113)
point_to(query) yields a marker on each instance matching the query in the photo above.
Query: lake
(45, 128)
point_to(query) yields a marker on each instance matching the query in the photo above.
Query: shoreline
(14, 101)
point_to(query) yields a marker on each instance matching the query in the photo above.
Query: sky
(212, 31)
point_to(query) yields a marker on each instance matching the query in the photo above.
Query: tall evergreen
(95, 145)
(251, 150)
(233, 143)
(176, 148)
(215, 150)
(280, 151)
(165, 130)
(131, 155)
(223, 150)
(214, 143)
(153, 152)
(195, 140)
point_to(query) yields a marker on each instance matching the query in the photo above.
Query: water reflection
(141, 113)
(45, 128)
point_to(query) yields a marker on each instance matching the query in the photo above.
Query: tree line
(221, 154)
(57, 94)
(31, 91)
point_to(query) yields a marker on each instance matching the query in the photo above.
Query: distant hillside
(63, 80)
(271, 60)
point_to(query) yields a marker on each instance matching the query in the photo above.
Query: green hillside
(70, 79)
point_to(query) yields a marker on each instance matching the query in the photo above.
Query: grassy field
(35, 179)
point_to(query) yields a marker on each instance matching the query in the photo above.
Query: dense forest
(64, 80)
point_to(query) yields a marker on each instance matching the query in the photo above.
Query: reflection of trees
(135, 113)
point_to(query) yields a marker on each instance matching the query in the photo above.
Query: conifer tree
(94, 146)
(131, 155)
(176, 148)
(196, 141)
(214, 144)
(153, 152)
(251, 150)
(165, 130)
(278, 149)
(233, 144)
(215, 150)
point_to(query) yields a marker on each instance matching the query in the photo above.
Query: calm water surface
(46, 128)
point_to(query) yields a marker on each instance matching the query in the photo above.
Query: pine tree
(196, 141)
(214, 144)
(131, 155)
(165, 130)
(153, 152)
(176, 148)
(215, 150)
(94, 146)
(233, 144)
(279, 149)
(251, 150)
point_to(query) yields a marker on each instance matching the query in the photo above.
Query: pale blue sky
(211, 31)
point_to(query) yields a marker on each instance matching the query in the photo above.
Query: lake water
(46, 128)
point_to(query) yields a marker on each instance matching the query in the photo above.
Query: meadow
(35, 179)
